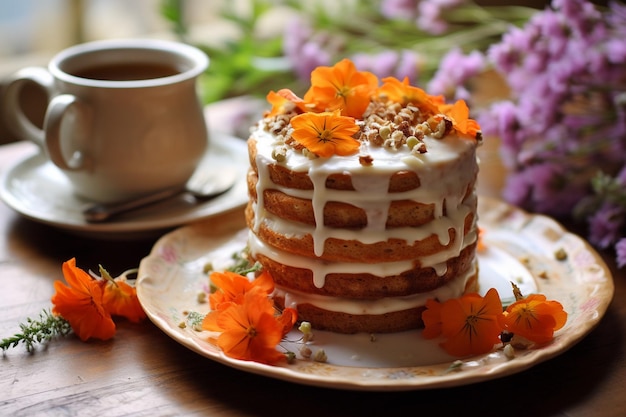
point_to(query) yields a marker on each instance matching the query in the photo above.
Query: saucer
(38, 190)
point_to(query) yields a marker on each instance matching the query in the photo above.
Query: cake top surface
(348, 118)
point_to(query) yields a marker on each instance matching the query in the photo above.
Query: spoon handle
(101, 212)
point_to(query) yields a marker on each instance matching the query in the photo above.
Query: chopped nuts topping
(384, 124)
(366, 160)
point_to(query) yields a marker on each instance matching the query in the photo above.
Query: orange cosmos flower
(341, 87)
(250, 330)
(535, 318)
(326, 134)
(459, 113)
(81, 303)
(283, 101)
(470, 324)
(232, 286)
(120, 299)
(404, 93)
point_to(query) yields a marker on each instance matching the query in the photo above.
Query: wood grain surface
(142, 372)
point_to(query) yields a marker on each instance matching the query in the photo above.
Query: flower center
(251, 332)
(325, 136)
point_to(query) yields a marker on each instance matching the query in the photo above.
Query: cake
(362, 200)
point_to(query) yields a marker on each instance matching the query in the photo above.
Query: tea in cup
(123, 118)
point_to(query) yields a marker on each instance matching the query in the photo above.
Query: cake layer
(387, 315)
(363, 282)
(442, 236)
(401, 213)
(281, 175)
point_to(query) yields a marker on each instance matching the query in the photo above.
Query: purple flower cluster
(305, 49)
(390, 63)
(429, 15)
(566, 122)
(455, 69)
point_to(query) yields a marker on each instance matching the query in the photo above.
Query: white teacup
(123, 118)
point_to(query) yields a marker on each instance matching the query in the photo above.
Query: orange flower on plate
(432, 319)
(341, 87)
(459, 113)
(326, 134)
(81, 303)
(120, 298)
(232, 286)
(250, 330)
(283, 101)
(470, 324)
(404, 93)
(535, 318)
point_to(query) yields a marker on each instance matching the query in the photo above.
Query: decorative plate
(520, 247)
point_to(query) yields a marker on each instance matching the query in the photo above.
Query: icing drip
(453, 289)
(318, 200)
(321, 268)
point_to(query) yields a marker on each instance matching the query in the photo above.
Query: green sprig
(41, 330)
(242, 265)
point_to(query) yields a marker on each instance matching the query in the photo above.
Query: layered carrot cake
(362, 200)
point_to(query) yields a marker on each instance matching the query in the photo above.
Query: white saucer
(38, 190)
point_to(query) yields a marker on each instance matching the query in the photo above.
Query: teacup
(123, 118)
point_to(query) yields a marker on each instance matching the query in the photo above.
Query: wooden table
(144, 372)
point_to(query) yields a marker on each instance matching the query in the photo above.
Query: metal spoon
(202, 186)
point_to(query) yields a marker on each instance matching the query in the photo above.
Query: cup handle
(61, 106)
(15, 118)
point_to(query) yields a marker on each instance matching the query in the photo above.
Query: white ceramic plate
(38, 190)
(520, 247)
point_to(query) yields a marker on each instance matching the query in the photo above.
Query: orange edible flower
(404, 93)
(470, 325)
(250, 330)
(283, 102)
(535, 318)
(232, 286)
(120, 299)
(459, 113)
(326, 134)
(245, 315)
(432, 319)
(341, 87)
(81, 303)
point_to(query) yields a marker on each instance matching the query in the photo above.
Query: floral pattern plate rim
(171, 277)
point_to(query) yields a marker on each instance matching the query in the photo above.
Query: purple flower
(605, 225)
(304, 49)
(399, 9)
(409, 66)
(620, 250)
(454, 71)
(390, 64)
(431, 15)
(543, 188)
(381, 64)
